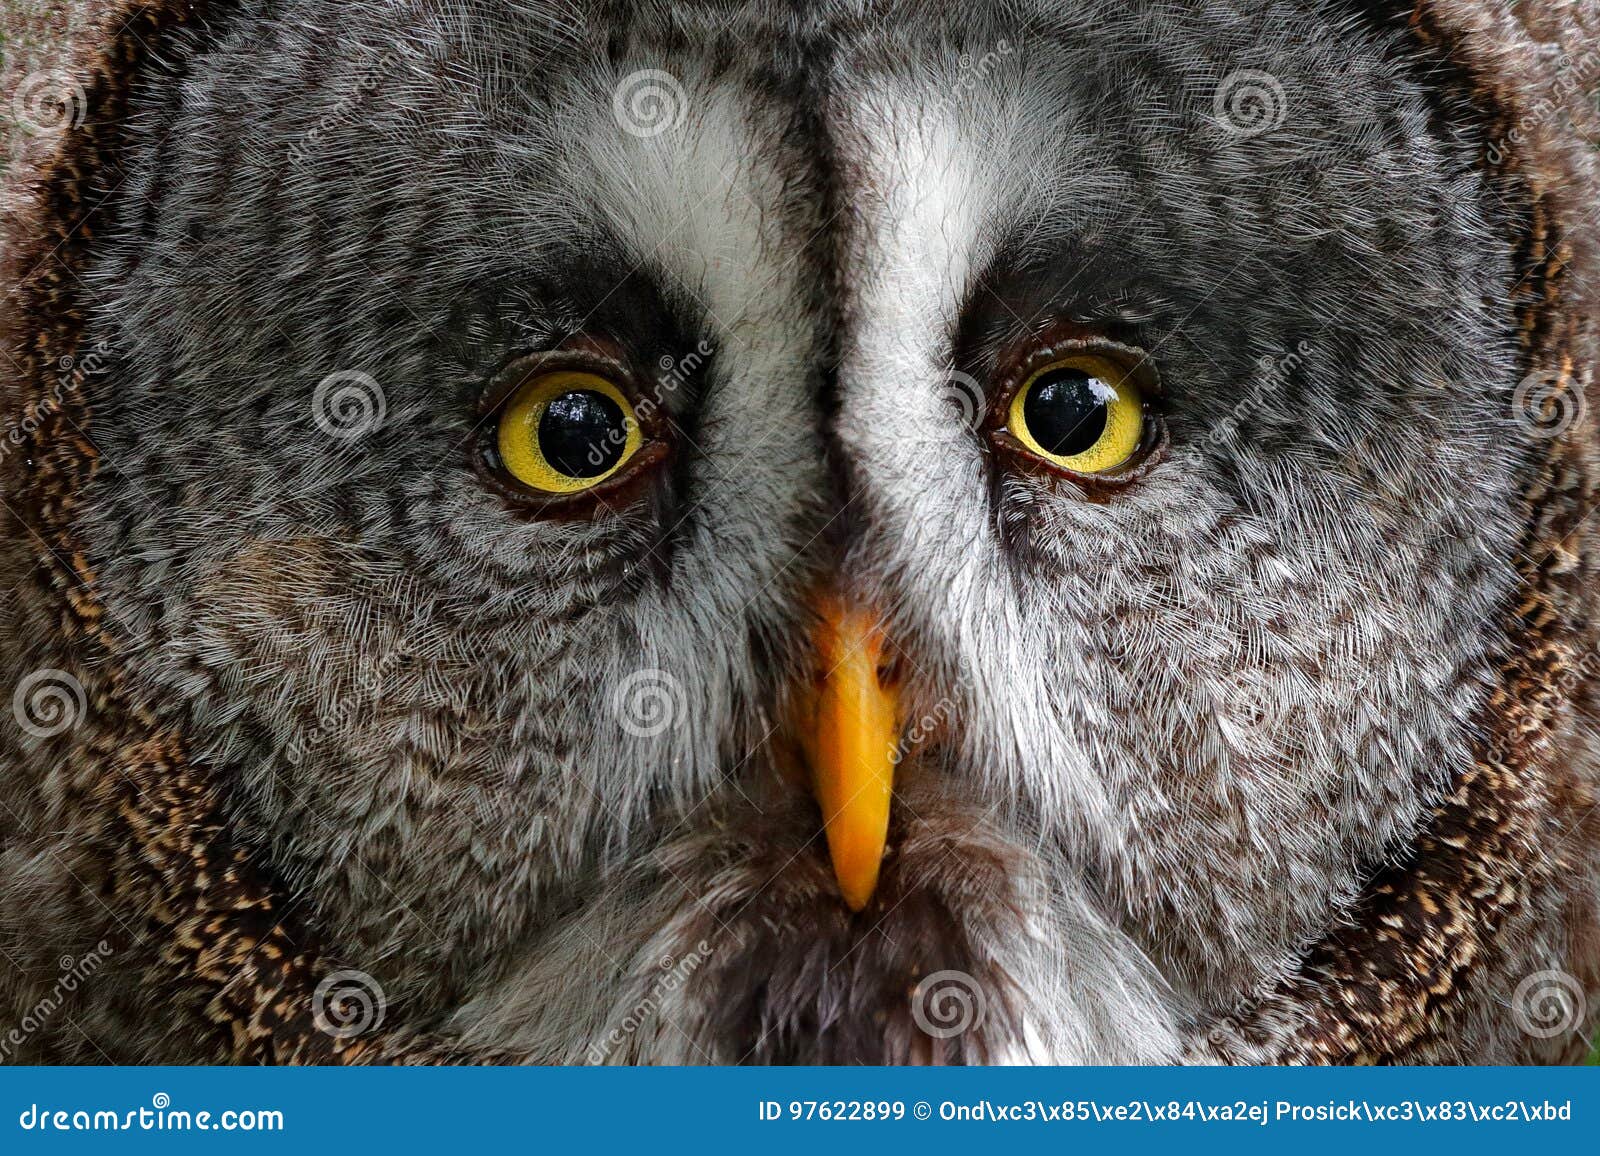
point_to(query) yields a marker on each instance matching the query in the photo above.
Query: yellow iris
(1082, 413)
(587, 440)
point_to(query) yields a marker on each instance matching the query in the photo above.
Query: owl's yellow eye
(1080, 413)
(567, 431)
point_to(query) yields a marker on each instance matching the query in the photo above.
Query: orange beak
(851, 747)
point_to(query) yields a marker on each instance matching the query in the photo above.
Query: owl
(865, 531)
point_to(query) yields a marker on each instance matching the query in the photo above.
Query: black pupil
(1066, 411)
(582, 433)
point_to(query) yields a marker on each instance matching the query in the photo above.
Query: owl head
(856, 532)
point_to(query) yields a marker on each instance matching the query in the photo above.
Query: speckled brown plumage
(226, 953)
(1429, 934)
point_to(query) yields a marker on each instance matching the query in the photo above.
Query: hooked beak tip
(851, 747)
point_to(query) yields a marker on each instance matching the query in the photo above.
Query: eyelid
(1016, 370)
(588, 357)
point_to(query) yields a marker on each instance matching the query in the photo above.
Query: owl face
(531, 427)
